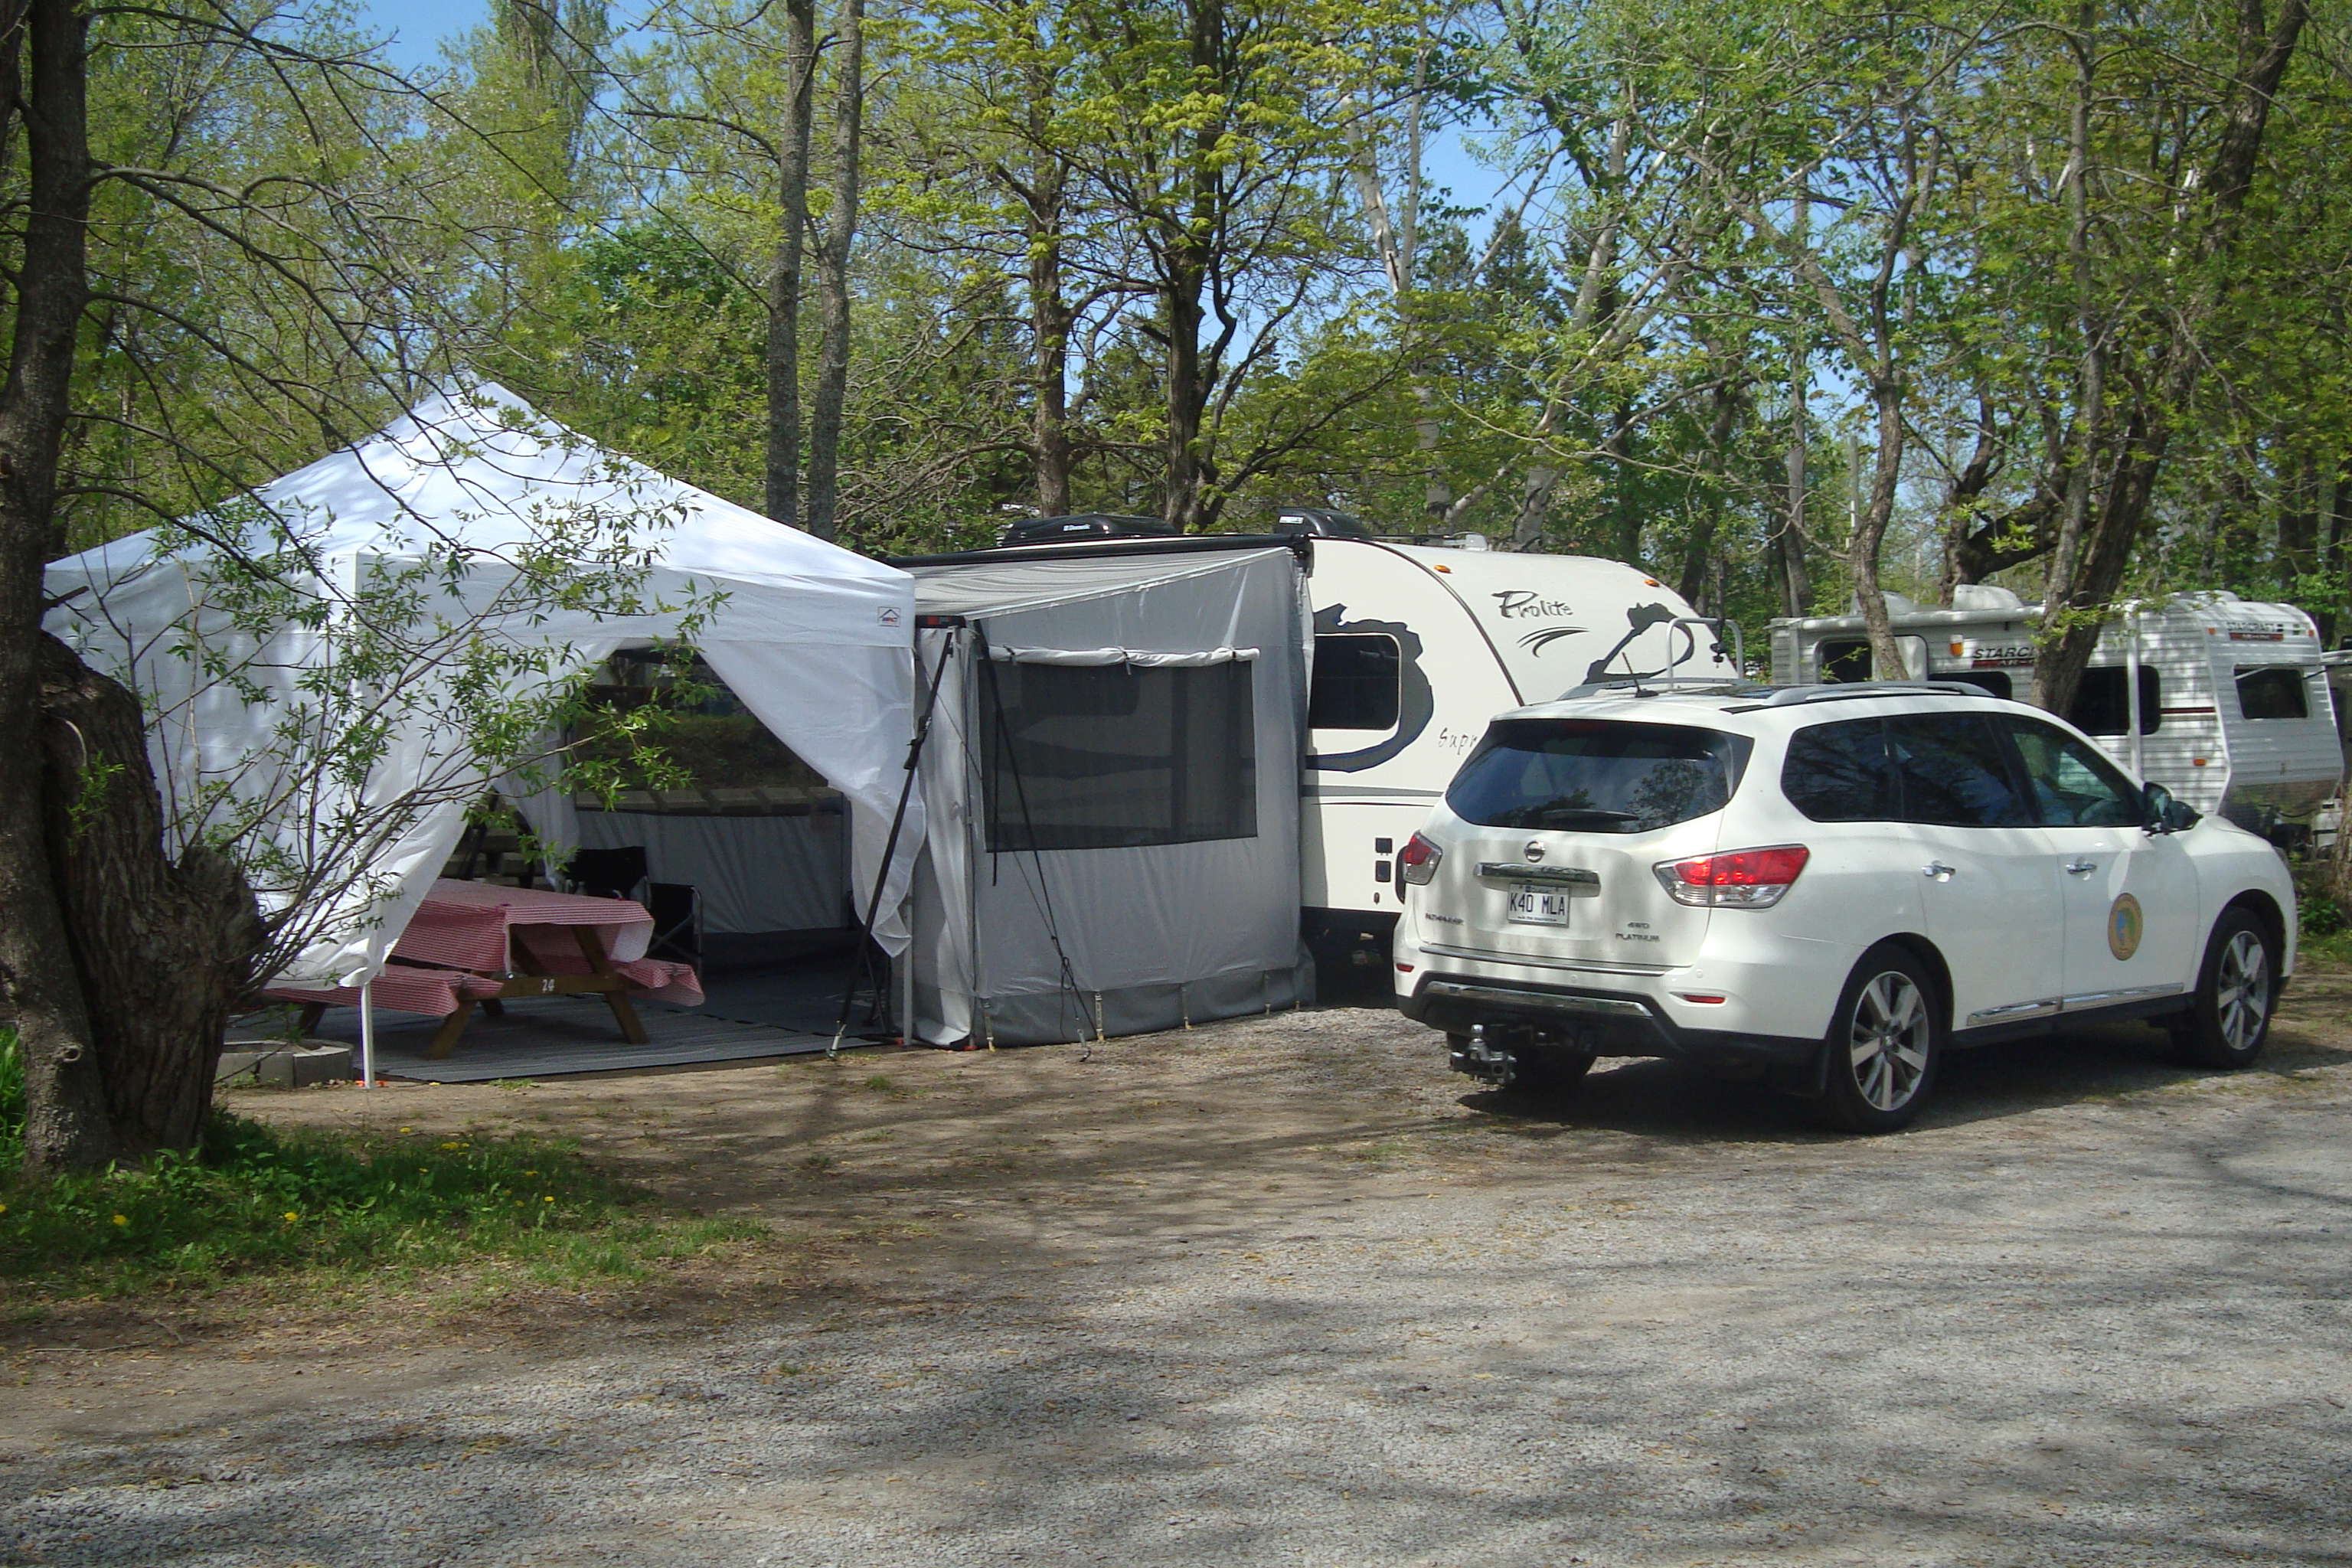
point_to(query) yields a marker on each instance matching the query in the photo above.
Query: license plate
(1533, 905)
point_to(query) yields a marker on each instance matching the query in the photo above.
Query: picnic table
(471, 944)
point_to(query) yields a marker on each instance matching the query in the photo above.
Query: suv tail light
(1737, 878)
(1418, 860)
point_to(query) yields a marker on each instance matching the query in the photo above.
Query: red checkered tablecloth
(464, 924)
(472, 925)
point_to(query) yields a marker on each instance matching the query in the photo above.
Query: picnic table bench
(471, 945)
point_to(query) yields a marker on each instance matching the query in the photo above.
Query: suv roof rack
(1848, 690)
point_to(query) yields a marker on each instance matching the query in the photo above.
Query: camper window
(2271, 692)
(2100, 702)
(1843, 659)
(1358, 680)
(1111, 756)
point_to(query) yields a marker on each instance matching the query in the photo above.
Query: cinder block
(287, 1067)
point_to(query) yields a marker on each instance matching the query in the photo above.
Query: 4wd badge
(2124, 927)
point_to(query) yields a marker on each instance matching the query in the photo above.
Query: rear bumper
(1607, 1023)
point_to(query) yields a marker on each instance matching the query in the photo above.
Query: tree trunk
(784, 367)
(2081, 588)
(1699, 554)
(162, 951)
(2298, 529)
(117, 966)
(832, 275)
(66, 1123)
(1869, 532)
(1533, 517)
(1050, 325)
(1184, 260)
(1796, 583)
(1188, 394)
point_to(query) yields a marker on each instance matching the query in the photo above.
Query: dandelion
(408, 1130)
(530, 1172)
(291, 1216)
(122, 1219)
(547, 1200)
(453, 1145)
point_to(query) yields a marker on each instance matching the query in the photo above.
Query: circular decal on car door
(2124, 927)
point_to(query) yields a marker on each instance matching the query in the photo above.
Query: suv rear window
(1591, 775)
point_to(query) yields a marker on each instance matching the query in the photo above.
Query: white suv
(1823, 886)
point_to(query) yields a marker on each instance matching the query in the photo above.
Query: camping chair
(615, 873)
(676, 908)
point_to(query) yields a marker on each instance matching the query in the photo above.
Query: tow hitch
(1488, 1063)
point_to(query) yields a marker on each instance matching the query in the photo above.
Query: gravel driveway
(1283, 1292)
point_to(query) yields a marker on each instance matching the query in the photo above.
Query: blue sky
(418, 26)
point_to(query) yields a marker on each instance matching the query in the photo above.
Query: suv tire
(1886, 1041)
(2229, 1019)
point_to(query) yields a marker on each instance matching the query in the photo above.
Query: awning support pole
(890, 844)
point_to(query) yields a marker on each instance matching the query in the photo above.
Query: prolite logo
(1519, 603)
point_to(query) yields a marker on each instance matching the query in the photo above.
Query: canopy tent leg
(367, 1033)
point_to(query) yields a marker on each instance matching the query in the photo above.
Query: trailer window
(1596, 776)
(1110, 757)
(1359, 682)
(2275, 691)
(2101, 702)
(1843, 660)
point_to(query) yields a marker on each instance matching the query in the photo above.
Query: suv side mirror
(2159, 813)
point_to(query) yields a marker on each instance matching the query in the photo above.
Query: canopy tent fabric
(1112, 777)
(813, 640)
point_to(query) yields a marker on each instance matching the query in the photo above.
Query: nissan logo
(1535, 850)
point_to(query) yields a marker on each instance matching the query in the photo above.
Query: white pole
(367, 1033)
(2131, 684)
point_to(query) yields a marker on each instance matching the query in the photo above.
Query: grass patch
(257, 1200)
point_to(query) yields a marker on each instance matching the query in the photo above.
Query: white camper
(2221, 701)
(1416, 646)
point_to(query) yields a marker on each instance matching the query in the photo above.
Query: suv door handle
(1937, 869)
(2081, 867)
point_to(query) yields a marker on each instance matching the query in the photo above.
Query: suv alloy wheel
(1885, 1043)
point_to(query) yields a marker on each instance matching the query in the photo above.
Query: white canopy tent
(814, 640)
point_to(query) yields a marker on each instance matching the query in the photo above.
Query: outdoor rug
(547, 1037)
(802, 997)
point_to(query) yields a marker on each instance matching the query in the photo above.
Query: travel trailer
(2222, 701)
(1414, 647)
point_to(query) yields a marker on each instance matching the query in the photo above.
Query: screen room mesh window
(1109, 756)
